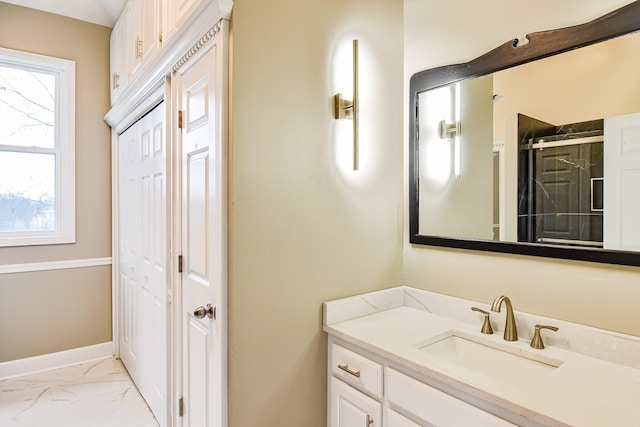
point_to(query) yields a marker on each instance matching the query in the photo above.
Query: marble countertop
(583, 391)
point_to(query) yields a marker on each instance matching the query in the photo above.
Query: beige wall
(305, 229)
(595, 82)
(70, 295)
(593, 294)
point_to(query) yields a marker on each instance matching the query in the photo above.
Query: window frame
(64, 150)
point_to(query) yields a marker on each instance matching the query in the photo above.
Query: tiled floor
(96, 394)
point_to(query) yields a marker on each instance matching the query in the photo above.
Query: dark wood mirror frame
(541, 45)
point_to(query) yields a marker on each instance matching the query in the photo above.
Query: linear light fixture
(348, 109)
(451, 131)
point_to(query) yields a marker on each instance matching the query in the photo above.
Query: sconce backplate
(342, 108)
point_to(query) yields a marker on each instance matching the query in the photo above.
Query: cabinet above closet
(151, 35)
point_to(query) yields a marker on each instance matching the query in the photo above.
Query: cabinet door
(115, 61)
(144, 33)
(150, 31)
(178, 11)
(133, 38)
(120, 51)
(351, 408)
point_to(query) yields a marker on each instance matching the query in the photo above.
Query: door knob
(202, 312)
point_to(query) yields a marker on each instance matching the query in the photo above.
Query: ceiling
(102, 12)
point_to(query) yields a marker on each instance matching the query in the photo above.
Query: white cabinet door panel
(178, 11)
(352, 408)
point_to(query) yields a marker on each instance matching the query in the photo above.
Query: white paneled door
(129, 244)
(621, 182)
(203, 196)
(143, 257)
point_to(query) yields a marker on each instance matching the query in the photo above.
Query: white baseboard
(61, 359)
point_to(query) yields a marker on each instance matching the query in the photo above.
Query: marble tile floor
(94, 394)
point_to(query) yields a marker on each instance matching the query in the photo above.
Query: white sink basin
(465, 352)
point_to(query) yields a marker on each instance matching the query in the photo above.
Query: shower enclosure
(560, 183)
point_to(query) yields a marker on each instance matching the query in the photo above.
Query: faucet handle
(486, 326)
(536, 341)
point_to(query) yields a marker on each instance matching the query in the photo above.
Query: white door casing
(621, 182)
(202, 88)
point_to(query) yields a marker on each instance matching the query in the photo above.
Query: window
(37, 149)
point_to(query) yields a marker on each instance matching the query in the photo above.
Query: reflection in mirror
(545, 154)
(455, 200)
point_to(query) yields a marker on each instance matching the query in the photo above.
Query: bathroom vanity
(404, 357)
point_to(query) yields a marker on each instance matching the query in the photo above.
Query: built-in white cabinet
(136, 39)
(147, 28)
(144, 33)
(363, 386)
(119, 56)
(177, 13)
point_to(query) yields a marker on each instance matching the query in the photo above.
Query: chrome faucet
(510, 331)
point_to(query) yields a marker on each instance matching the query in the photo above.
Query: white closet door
(129, 246)
(143, 257)
(153, 183)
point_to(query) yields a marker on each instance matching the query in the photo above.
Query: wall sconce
(451, 131)
(448, 130)
(348, 109)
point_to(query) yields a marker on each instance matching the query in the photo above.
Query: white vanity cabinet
(355, 389)
(430, 406)
(394, 419)
(363, 386)
(350, 407)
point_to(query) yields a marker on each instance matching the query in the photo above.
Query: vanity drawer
(394, 419)
(434, 406)
(356, 370)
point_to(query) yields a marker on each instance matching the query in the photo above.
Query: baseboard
(61, 359)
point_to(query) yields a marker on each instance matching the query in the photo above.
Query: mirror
(534, 147)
